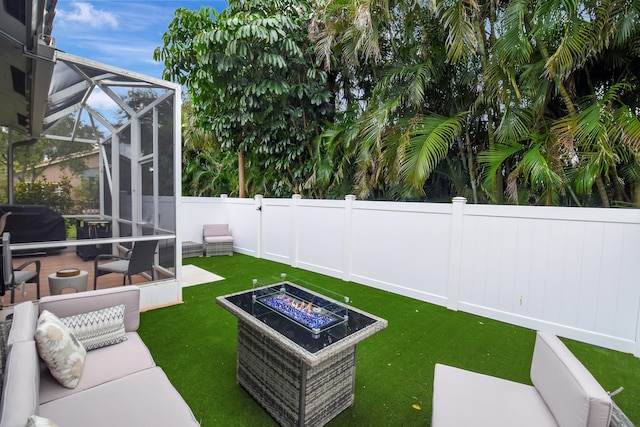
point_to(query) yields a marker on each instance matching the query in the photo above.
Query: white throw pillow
(36, 421)
(60, 349)
(98, 328)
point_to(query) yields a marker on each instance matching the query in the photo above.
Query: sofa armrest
(21, 382)
(572, 394)
(83, 302)
(25, 318)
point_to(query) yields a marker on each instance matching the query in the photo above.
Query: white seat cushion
(102, 365)
(218, 239)
(464, 398)
(145, 398)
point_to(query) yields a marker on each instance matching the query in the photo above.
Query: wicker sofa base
(191, 249)
(213, 249)
(292, 392)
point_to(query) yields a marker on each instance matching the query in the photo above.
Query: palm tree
(406, 126)
(553, 51)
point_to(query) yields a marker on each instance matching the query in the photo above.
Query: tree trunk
(602, 191)
(498, 181)
(472, 168)
(241, 183)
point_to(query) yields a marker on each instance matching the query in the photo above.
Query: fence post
(455, 252)
(636, 350)
(258, 205)
(294, 230)
(348, 238)
(223, 199)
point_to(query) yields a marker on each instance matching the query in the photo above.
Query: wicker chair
(137, 260)
(217, 239)
(15, 276)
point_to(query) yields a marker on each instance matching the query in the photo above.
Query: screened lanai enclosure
(124, 127)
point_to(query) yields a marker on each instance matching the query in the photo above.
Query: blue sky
(119, 33)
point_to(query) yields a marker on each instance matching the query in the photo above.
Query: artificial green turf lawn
(195, 344)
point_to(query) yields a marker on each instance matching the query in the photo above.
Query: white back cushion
(572, 394)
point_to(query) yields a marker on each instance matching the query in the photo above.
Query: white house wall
(571, 271)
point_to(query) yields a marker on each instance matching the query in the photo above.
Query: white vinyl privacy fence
(572, 271)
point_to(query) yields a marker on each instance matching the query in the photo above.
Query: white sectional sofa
(120, 384)
(563, 394)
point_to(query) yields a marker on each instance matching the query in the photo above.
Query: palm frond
(458, 19)
(513, 46)
(630, 126)
(428, 143)
(493, 159)
(516, 122)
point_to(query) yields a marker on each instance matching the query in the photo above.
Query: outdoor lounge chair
(137, 260)
(14, 277)
(217, 239)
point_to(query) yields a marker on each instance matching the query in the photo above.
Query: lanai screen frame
(139, 193)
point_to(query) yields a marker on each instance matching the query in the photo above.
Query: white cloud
(101, 101)
(86, 14)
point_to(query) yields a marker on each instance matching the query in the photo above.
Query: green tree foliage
(207, 170)
(500, 102)
(492, 100)
(4, 143)
(31, 157)
(252, 76)
(55, 195)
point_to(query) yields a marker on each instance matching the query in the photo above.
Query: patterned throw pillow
(36, 421)
(98, 328)
(60, 349)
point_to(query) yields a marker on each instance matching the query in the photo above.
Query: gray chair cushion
(573, 395)
(215, 230)
(24, 275)
(120, 266)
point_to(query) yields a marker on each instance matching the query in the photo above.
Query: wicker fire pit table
(297, 351)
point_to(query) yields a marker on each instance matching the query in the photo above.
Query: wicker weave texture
(225, 248)
(292, 392)
(191, 249)
(618, 418)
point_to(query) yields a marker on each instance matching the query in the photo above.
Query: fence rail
(572, 271)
